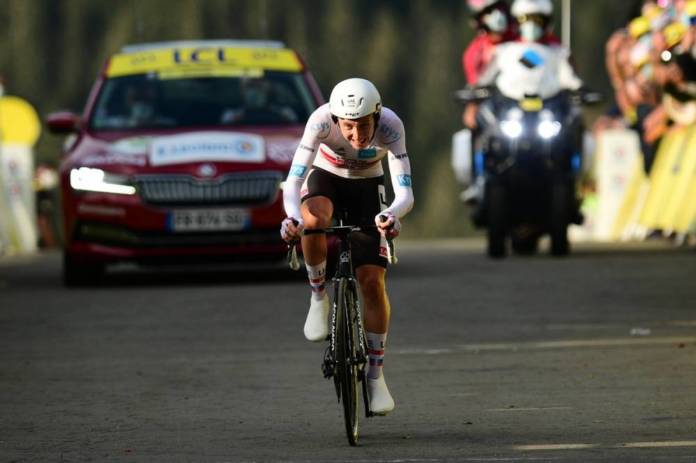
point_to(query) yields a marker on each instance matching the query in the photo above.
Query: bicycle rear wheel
(346, 364)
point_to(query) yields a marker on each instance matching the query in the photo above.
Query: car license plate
(185, 220)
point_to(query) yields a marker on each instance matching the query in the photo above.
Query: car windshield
(147, 101)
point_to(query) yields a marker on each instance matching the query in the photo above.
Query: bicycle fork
(353, 318)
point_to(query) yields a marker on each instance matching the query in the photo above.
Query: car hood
(185, 151)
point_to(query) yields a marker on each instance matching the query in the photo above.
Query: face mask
(495, 21)
(531, 31)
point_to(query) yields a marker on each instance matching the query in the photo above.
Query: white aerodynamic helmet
(530, 7)
(354, 98)
(477, 6)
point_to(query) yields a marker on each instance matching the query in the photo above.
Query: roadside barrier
(630, 205)
(670, 201)
(19, 130)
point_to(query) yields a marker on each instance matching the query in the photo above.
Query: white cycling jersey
(324, 146)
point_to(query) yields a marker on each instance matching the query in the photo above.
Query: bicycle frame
(346, 356)
(344, 271)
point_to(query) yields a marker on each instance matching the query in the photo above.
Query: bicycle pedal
(327, 366)
(327, 370)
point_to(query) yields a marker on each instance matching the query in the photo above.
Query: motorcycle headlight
(97, 180)
(511, 128)
(548, 129)
(548, 126)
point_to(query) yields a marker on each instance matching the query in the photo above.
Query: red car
(181, 153)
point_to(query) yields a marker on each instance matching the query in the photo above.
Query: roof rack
(138, 47)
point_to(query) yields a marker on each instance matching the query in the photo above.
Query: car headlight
(89, 179)
(511, 128)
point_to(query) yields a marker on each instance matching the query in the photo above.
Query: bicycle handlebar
(343, 230)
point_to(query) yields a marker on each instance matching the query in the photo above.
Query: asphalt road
(584, 359)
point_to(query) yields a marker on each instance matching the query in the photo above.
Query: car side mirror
(63, 122)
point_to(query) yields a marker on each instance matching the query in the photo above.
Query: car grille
(244, 189)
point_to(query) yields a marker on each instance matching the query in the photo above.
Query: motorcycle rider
(534, 65)
(338, 166)
(541, 49)
(494, 25)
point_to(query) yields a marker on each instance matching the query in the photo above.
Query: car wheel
(525, 246)
(76, 273)
(497, 212)
(560, 218)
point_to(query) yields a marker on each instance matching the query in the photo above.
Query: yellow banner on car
(200, 61)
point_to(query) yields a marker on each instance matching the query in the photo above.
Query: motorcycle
(530, 140)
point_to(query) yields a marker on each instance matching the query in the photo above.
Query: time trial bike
(346, 355)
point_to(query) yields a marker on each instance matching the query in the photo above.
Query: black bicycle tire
(345, 352)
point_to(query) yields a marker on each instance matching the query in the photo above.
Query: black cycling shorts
(361, 199)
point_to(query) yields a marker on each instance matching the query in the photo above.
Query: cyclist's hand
(291, 229)
(388, 224)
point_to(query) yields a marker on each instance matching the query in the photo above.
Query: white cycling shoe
(381, 401)
(316, 327)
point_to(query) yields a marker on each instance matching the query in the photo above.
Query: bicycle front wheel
(346, 356)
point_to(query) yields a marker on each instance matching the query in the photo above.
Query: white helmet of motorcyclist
(355, 98)
(522, 8)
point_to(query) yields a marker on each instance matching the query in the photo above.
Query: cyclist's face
(358, 132)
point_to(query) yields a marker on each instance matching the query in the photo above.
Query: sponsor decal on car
(210, 61)
(207, 146)
(110, 159)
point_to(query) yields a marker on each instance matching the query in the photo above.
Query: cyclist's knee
(317, 212)
(316, 221)
(371, 282)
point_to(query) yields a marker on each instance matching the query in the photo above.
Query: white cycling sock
(375, 352)
(317, 280)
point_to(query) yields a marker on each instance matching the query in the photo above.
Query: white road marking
(528, 409)
(544, 345)
(634, 445)
(555, 447)
(682, 323)
(662, 444)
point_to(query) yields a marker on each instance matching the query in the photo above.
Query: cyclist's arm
(316, 130)
(400, 170)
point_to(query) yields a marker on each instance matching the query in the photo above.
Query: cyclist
(337, 166)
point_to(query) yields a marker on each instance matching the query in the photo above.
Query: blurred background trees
(51, 50)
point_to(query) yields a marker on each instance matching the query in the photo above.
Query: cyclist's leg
(317, 210)
(377, 312)
(376, 302)
(370, 262)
